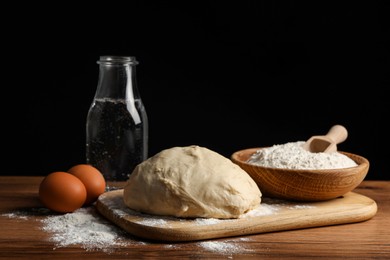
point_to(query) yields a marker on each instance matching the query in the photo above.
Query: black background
(224, 76)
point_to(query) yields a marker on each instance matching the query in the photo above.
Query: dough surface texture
(191, 182)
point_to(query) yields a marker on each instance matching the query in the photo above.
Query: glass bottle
(117, 123)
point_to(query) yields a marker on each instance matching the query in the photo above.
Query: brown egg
(62, 192)
(92, 178)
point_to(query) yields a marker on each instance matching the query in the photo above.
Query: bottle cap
(118, 60)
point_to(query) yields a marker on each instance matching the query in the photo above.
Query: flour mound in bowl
(191, 182)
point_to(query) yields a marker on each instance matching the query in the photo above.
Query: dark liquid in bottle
(116, 137)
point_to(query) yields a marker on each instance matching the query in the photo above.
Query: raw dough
(191, 181)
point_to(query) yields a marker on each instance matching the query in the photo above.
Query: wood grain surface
(25, 239)
(273, 215)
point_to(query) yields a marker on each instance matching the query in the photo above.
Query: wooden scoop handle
(337, 134)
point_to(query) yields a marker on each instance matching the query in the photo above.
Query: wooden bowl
(303, 185)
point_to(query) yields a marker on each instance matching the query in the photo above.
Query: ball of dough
(191, 182)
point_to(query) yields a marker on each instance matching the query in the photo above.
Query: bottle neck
(117, 81)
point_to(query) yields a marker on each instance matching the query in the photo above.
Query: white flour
(292, 156)
(86, 228)
(220, 247)
(83, 227)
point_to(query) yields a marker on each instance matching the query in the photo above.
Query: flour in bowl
(292, 156)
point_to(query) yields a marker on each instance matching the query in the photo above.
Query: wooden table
(24, 238)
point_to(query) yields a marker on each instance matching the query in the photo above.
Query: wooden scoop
(327, 143)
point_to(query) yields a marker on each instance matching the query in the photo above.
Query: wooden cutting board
(272, 215)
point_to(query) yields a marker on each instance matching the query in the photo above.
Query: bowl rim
(364, 162)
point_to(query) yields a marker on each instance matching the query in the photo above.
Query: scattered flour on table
(15, 215)
(221, 247)
(86, 228)
(26, 214)
(226, 247)
(83, 227)
(292, 156)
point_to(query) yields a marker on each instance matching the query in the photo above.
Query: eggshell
(93, 181)
(62, 192)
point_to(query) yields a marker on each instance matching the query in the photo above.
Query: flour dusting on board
(267, 207)
(164, 221)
